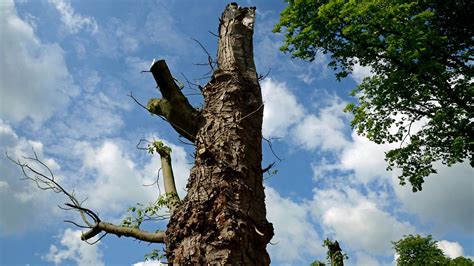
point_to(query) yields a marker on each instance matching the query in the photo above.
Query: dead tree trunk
(222, 220)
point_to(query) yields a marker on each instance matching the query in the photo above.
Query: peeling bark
(222, 220)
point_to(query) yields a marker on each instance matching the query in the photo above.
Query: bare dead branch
(190, 84)
(46, 181)
(76, 224)
(90, 213)
(210, 61)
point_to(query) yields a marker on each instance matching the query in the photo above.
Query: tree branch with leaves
(420, 54)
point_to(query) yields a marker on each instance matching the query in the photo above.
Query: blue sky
(66, 70)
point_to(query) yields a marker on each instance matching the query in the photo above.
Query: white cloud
(74, 249)
(360, 72)
(281, 108)
(72, 21)
(295, 236)
(356, 220)
(108, 169)
(35, 81)
(149, 263)
(266, 47)
(118, 38)
(324, 130)
(3, 185)
(89, 80)
(450, 249)
(269, 57)
(112, 171)
(161, 28)
(136, 64)
(283, 116)
(446, 199)
(366, 159)
(364, 259)
(99, 115)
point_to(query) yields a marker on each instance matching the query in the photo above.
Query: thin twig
(210, 61)
(139, 103)
(271, 147)
(100, 238)
(266, 169)
(213, 34)
(191, 85)
(260, 77)
(78, 225)
(140, 142)
(48, 183)
(408, 133)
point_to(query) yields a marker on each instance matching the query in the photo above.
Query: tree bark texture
(222, 220)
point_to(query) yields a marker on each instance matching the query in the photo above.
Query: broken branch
(174, 106)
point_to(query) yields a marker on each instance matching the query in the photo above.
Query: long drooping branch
(174, 106)
(90, 218)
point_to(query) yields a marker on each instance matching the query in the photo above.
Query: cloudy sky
(66, 69)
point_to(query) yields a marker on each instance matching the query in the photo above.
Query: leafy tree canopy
(420, 53)
(418, 250)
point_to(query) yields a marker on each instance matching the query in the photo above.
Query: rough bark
(222, 220)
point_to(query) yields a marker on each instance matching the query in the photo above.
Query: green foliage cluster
(334, 253)
(155, 254)
(158, 147)
(421, 55)
(418, 250)
(140, 213)
(335, 257)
